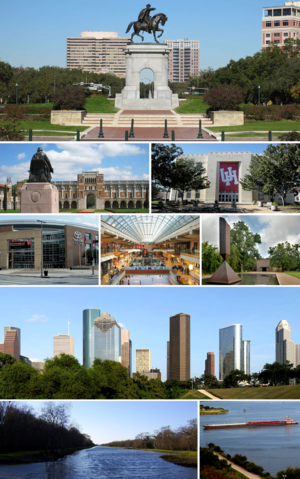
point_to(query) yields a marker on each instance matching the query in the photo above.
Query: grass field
(10, 211)
(192, 105)
(282, 125)
(25, 457)
(188, 394)
(45, 125)
(271, 392)
(296, 274)
(100, 104)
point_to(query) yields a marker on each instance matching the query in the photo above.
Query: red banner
(15, 244)
(229, 177)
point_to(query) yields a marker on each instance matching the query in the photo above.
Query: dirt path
(209, 395)
(238, 468)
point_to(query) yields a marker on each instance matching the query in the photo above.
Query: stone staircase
(145, 120)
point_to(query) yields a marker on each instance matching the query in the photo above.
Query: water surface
(253, 279)
(101, 463)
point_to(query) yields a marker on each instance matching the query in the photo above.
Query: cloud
(20, 156)
(37, 318)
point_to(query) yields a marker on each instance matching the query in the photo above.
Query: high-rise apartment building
(179, 347)
(142, 360)
(183, 59)
(280, 23)
(63, 343)
(126, 351)
(101, 337)
(286, 349)
(101, 52)
(11, 345)
(234, 353)
(210, 364)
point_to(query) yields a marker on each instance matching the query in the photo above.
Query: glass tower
(101, 337)
(246, 356)
(230, 349)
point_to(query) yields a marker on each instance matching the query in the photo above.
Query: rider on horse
(144, 16)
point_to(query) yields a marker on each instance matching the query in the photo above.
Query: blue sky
(106, 421)
(34, 34)
(42, 313)
(273, 229)
(205, 148)
(117, 161)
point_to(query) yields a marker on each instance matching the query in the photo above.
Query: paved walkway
(287, 280)
(209, 395)
(54, 273)
(147, 134)
(238, 468)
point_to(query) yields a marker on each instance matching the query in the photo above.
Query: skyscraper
(246, 356)
(183, 59)
(210, 364)
(286, 349)
(126, 351)
(142, 360)
(63, 343)
(101, 337)
(11, 343)
(231, 350)
(179, 347)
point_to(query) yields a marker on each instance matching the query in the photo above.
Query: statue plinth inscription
(38, 195)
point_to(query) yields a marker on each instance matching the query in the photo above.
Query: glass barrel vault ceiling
(147, 229)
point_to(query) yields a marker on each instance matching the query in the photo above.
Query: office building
(234, 353)
(101, 337)
(40, 365)
(183, 59)
(152, 374)
(11, 345)
(126, 351)
(63, 343)
(210, 364)
(280, 24)
(142, 360)
(179, 347)
(100, 52)
(168, 359)
(286, 349)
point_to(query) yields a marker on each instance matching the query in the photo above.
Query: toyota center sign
(229, 177)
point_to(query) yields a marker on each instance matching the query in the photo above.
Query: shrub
(223, 98)
(290, 136)
(11, 132)
(69, 98)
(13, 112)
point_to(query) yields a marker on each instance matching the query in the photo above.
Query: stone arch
(74, 205)
(139, 204)
(90, 200)
(115, 204)
(107, 204)
(130, 204)
(66, 205)
(123, 204)
(60, 205)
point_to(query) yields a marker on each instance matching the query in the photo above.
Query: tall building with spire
(286, 349)
(63, 343)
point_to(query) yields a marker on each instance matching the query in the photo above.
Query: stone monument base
(224, 275)
(39, 198)
(153, 56)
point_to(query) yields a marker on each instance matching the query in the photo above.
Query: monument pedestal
(224, 275)
(154, 56)
(39, 198)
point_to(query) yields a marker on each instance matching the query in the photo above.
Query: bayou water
(274, 448)
(101, 463)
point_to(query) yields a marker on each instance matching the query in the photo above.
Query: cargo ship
(287, 422)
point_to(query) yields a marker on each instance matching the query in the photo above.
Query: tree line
(182, 439)
(23, 429)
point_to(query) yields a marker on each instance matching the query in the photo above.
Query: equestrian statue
(148, 24)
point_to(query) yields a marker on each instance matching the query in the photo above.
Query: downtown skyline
(44, 313)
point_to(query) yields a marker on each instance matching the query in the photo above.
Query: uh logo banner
(229, 177)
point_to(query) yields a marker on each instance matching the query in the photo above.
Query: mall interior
(156, 250)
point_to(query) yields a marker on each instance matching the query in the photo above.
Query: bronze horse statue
(152, 26)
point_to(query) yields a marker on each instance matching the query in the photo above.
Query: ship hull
(246, 424)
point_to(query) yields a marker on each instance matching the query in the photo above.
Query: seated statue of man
(40, 168)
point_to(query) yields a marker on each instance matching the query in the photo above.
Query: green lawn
(45, 125)
(296, 274)
(193, 394)
(192, 105)
(10, 211)
(100, 104)
(270, 392)
(282, 125)
(253, 135)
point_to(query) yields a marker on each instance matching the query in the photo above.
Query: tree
(209, 381)
(188, 175)
(14, 194)
(6, 359)
(234, 378)
(224, 98)
(211, 258)
(277, 372)
(243, 250)
(69, 98)
(285, 256)
(5, 198)
(276, 171)
(162, 163)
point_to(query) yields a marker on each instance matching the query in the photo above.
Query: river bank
(209, 411)
(29, 457)
(180, 458)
